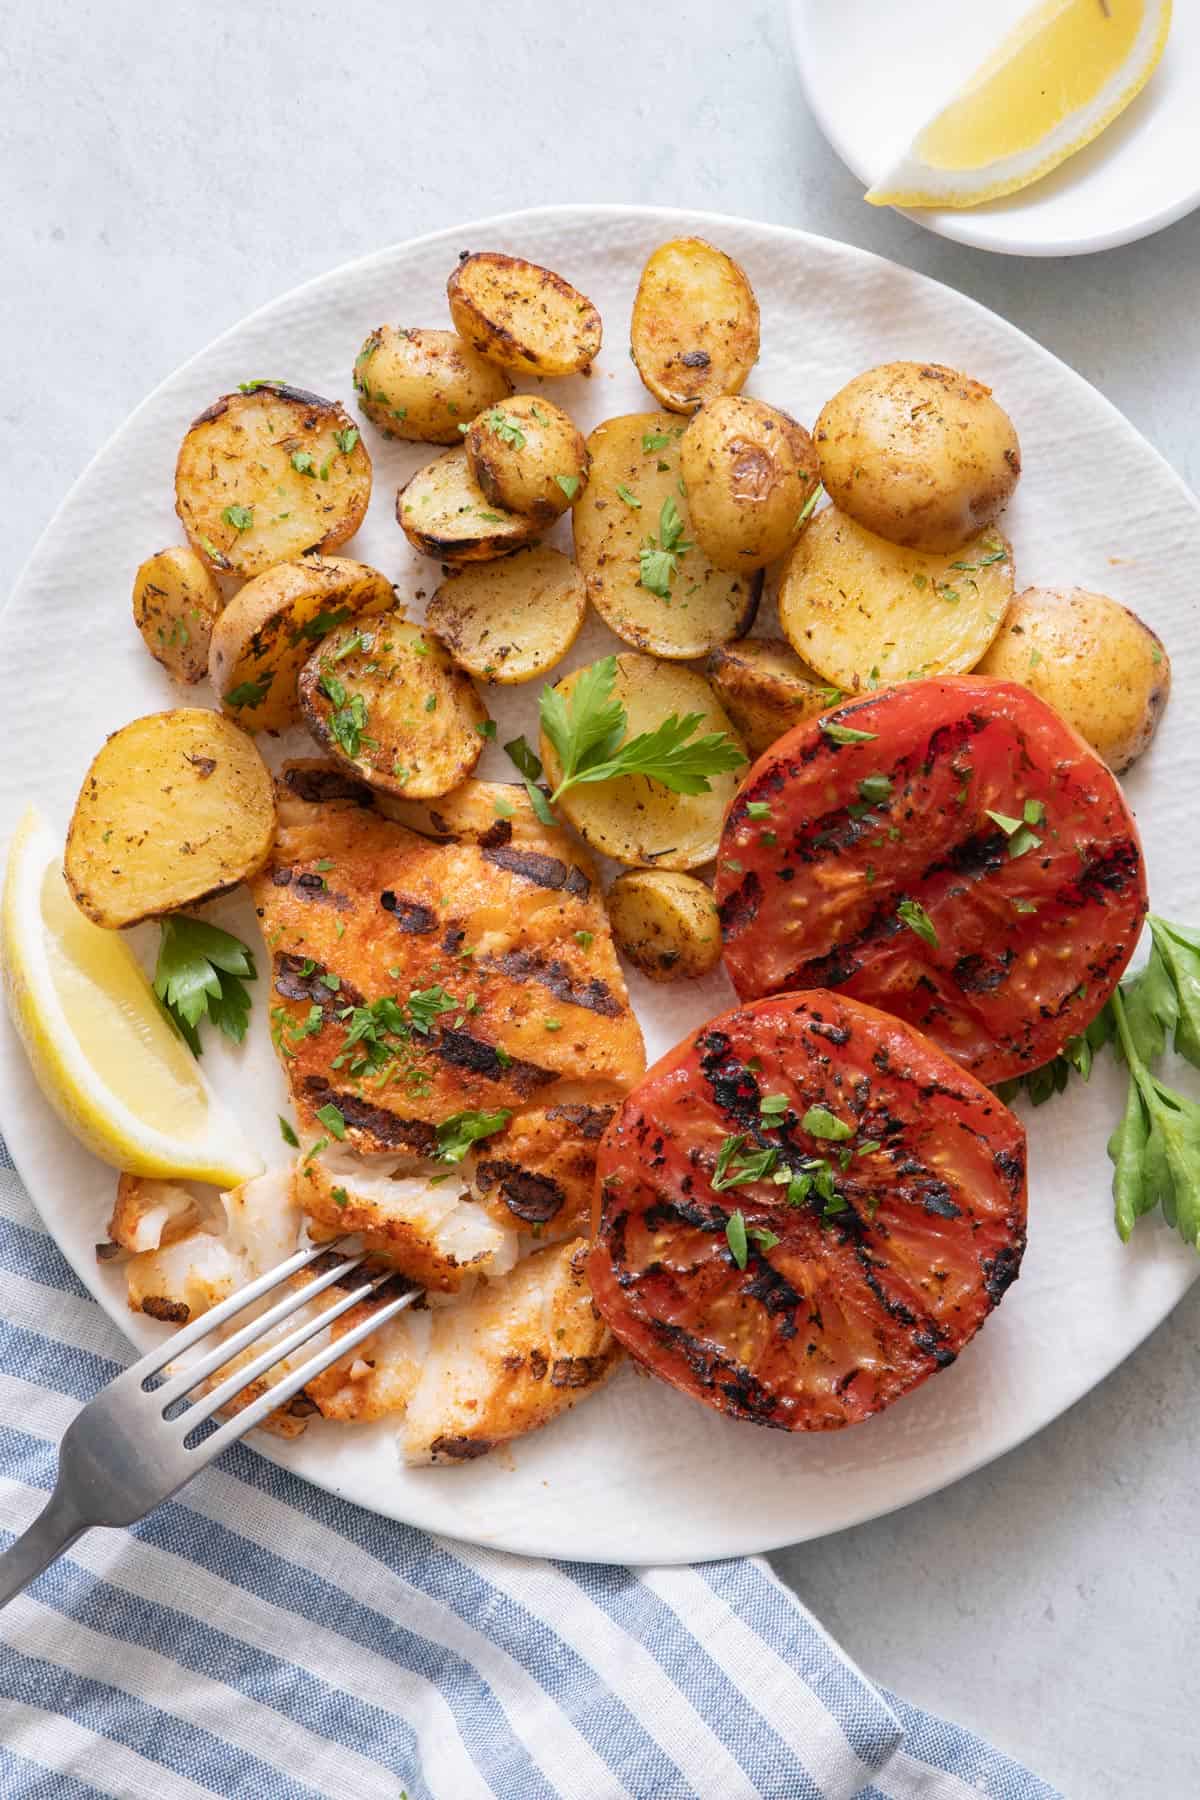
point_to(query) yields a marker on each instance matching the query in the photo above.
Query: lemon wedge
(1059, 78)
(105, 1056)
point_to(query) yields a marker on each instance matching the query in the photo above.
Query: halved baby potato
(384, 698)
(765, 689)
(862, 610)
(750, 472)
(646, 575)
(665, 923)
(444, 513)
(511, 621)
(695, 328)
(522, 316)
(266, 634)
(529, 457)
(422, 385)
(176, 603)
(176, 808)
(1093, 660)
(268, 475)
(635, 820)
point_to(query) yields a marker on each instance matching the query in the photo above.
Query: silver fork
(136, 1443)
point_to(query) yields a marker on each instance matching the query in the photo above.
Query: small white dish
(873, 74)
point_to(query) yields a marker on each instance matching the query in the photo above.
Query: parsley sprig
(348, 720)
(199, 974)
(588, 728)
(659, 557)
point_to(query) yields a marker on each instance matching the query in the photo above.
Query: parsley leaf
(506, 429)
(846, 734)
(240, 517)
(819, 1122)
(735, 1170)
(624, 494)
(913, 914)
(569, 485)
(250, 693)
(518, 752)
(456, 1134)
(348, 720)
(659, 557)
(332, 1119)
(197, 974)
(302, 462)
(287, 1132)
(346, 440)
(735, 1237)
(426, 1004)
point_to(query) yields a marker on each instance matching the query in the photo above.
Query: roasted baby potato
(444, 512)
(522, 316)
(384, 698)
(666, 924)
(176, 602)
(176, 807)
(918, 453)
(268, 475)
(750, 473)
(694, 333)
(765, 689)
(422, 385)
(862, 610)
(1093, 660)
(512, 620)
(631, 819)
(529, 457)
(646, 576)
(266, 634)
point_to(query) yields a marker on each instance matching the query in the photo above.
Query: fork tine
(259, 1409)
(157, 1359)
(229, 1347)
(233, 1384)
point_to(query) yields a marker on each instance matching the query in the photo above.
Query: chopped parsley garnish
(339, 1196)
(287, 1132)
(324, 622)
(658, 559)
(506, 429)
(486, 728)
(819, 1122)
(913, 914)
(424, 1005)
(624, 494)
(655, 440)
(456, 1134)
(758, 809)
(250, 693)
(346, 440)
(252, 387)
(240, 517)
(735, 1237)
(875, 789)
(348, 720)
(584, 939)
(773, 1106)
(303, 463)
(332, 1119)
(846, 734)
(733, 1169)
(199, 973)
(810, 506)
(1017, 831)
(519, 753)
(569, 485)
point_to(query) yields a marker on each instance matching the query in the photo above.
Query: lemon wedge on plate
(1058, 79)
(104, 1054)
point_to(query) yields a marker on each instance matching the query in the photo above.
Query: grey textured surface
(165, 170)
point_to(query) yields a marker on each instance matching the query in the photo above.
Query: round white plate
(874, 73)
(639, 1473)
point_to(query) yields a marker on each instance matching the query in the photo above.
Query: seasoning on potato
(665, 923)
(766, 689)
(522, 316)
(267, 474)
(423, 385)
(444, 513)
(751, 474)
(176, 808)
(384, 698)
(529, 457)
(918, 453)
(864, 611)
(266, 633)
(646, 574)
(695, 327)
(176, 602)
(1093, 660)
(510, 621)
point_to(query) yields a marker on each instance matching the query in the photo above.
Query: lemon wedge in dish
(105, 1055)
(1058, 79)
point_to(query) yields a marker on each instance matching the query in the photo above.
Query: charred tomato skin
(864, 1294)
(967, 863)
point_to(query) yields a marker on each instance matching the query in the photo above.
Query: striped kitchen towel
(260, 1640)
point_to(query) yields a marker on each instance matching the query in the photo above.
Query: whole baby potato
(749, 471)
(1091, 659)
(529, 457)
(422, 385)
(918, 453)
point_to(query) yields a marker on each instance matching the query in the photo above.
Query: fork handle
(53, 1531)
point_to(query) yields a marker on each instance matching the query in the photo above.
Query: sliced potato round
(665, 923)
(862, 610)
(750, 472)
(444, 512)
(422, 385)
(918, 453)
(632, 819)
(529, 457)
(522, 316)
(176, 807)
(1093, 660)
(176, 603)
(766, 689)
(266, 634)
(510, 621)
(633, 527)
(269, 475)
(384, 698)
(694, 333)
